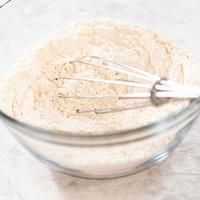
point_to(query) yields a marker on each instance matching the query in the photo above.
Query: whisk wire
(160, 90)
(129, 68)
(134, 72)
(115, 82)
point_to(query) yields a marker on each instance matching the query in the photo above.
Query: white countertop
(24, 178)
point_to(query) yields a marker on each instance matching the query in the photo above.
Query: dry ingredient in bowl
(30, 94)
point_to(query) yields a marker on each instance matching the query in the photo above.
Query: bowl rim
(112, 137)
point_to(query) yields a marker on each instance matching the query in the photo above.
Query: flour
(30, 94)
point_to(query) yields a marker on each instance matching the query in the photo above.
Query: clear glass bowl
(23, 22)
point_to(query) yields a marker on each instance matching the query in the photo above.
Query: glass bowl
(23, 22)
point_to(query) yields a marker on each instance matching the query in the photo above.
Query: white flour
(30, 94)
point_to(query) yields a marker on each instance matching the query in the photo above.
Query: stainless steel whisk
(159, 90)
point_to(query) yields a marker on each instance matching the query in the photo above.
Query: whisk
(159, 89)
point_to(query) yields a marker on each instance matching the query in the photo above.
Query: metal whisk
(159, 90)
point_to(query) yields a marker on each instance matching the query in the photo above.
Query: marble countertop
(24, 178)
(178, 178)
